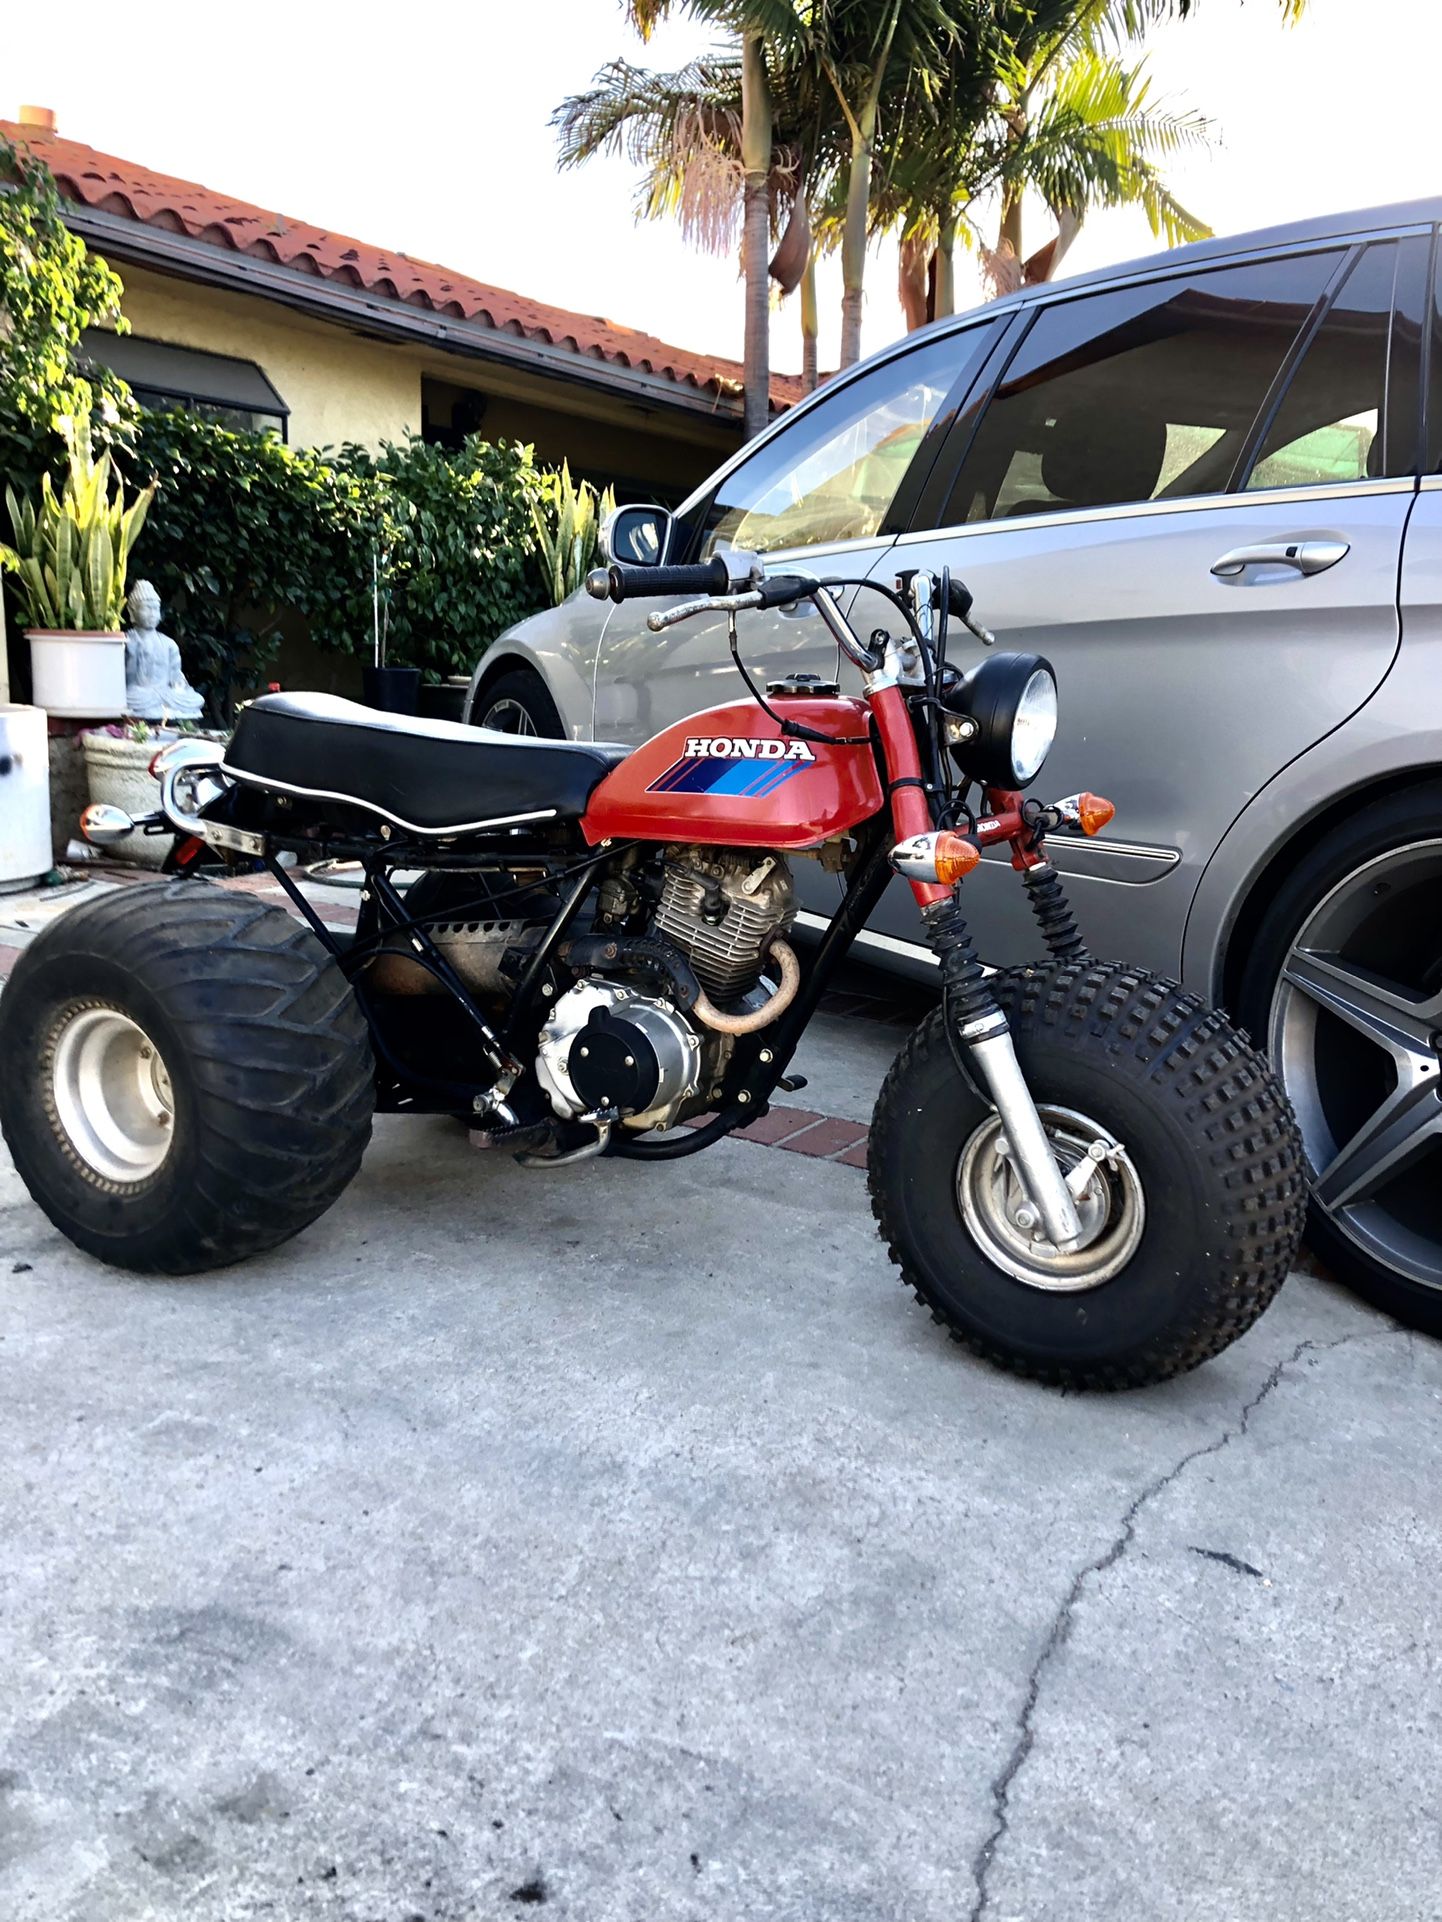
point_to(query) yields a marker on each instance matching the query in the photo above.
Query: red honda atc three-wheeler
(1085, 1173)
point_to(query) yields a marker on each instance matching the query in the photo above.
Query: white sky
(424, 128)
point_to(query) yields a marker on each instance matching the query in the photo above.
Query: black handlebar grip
(780, 590)
(621, 583)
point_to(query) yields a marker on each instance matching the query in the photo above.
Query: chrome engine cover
(757, 900)
(674, 1042)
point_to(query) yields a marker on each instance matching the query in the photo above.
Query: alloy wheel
(1356, 1024)
(508, 717)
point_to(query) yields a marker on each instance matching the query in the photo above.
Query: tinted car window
(1137, 393)
(833, 475)
(1327, 429)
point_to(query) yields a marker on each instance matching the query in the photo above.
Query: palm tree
(686, 131)
(748, 20)
(874, 55)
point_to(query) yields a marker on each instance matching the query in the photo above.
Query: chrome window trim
(1430, 484)
(1187, 504)
(370, 807)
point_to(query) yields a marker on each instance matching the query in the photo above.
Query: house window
(160, 375)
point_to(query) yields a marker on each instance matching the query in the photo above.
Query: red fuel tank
(729, 776)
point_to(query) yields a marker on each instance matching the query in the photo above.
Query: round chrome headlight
(1034, 728)
(1011, 701)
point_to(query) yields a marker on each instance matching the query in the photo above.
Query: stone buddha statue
(155, 684)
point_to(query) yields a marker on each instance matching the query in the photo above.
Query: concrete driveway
(626, 1544)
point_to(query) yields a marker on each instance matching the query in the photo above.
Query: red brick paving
(772, 1129)
(829, 1137)
(8, 958)
(856, 1157)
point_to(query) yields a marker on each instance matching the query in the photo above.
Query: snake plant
(72, 550)
(567, 530)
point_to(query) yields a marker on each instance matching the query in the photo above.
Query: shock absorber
(1054, 913)
(969, 999)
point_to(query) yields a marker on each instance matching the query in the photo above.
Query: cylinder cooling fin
(722, 908)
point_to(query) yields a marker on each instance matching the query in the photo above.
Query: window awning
(185, 373)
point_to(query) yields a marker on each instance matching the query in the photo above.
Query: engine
(610, 1045)
(722, 907)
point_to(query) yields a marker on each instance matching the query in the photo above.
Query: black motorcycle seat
(431, 777)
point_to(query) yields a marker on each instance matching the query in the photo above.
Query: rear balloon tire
(1212, 1160)
(188, 1076)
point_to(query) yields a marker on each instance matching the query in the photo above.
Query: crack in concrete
(1003, 1783)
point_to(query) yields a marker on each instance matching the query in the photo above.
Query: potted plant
(70, 558)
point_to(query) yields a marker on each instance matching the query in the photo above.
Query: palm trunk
(945, 300)
(810, 321)
(853, 243)
(858, 200)
(913, 260)
(1011, 221)
(756, 230)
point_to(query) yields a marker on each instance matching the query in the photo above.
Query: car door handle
(1308, 557)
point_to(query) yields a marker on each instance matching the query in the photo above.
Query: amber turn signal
(955, 858)
(943, 856)
(1093, 813)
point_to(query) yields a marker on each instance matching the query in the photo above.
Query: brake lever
(714, 603)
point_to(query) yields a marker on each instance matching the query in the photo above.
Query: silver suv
(1206, 486)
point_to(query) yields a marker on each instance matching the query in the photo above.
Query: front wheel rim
(111, 1094)
(1111, 1206)
(509, 717)
(1354, 1032)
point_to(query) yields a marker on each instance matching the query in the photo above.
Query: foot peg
(791, 1083)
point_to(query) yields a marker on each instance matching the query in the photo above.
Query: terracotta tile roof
(124, 188)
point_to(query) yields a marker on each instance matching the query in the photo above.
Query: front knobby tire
(1206, 1126)
(188, 1076)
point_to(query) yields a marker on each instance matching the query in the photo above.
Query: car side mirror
(636, 536)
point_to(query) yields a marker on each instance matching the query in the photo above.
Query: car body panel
(560, 645)
(1124, 605)
(1395, 737)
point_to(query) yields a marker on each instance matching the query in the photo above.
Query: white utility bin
(79, 677)
(24, 795)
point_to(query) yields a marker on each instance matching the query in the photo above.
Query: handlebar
(621, 583)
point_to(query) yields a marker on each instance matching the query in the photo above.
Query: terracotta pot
(77, 676)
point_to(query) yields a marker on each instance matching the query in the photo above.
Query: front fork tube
(981, 1028)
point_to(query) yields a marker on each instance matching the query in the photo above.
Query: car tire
(519, 702)
(188, 1076)
(1343, 987)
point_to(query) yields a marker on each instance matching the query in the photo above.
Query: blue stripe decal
(750, 777)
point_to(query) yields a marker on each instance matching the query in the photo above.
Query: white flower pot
(119, 772)
(24, 795)
(80, 677)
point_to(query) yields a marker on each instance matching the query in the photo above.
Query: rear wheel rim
(1111, 1205)
(509, 717)
(111, 1094)
(1355, 1027)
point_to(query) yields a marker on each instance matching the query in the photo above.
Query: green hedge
(245, 530)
